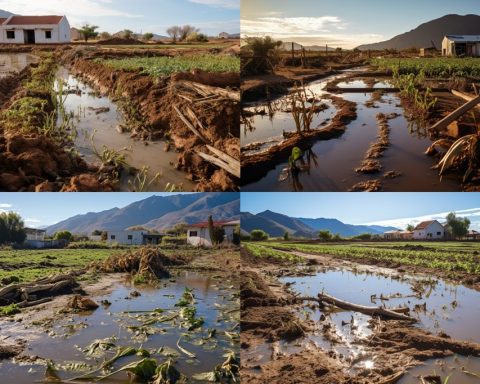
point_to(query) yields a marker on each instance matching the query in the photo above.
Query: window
(112, 237)
(48, 34)
(10, 34)
(130, 237)
(193, 233)
(439, 233)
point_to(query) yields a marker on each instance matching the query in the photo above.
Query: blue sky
(396, 209)
(344, 23)
(211, 16)
(42, 209)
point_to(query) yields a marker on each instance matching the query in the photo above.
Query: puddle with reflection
(103, 128)
(11, 63)
(216, 302)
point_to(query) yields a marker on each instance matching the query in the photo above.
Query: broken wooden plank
(442, 124)
(26, 303)
(206, 90)
(190, 125)
(220, 163)
(464, 96)
(234, 163)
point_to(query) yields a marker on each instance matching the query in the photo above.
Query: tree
(264, 51)
(337, 237)
(127, 33)
(12, 228)
(286, 236)
(363, 236)
(258, 235)
(325, 235)
(174, 32)
(410, 227)
(105, 35)
(63, 235)
(236, 235)
(97, 232)
(148, 36)
(458, 226)
(186, 31)
(89, 31)
(197, 37)
(138, 228)
(218, 234)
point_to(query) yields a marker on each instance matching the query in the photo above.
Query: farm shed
(429, 230)
(461, 45)
(34, 30)
(428, 51)
(134, 237)
(199, 235)
(398, 235)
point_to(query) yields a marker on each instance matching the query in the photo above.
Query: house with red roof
(198, 234)
(50, 29)
(429, 230)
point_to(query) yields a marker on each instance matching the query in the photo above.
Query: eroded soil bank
(288, 340)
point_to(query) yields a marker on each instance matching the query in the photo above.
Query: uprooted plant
(301, 109)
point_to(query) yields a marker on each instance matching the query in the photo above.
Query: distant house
(428, 51)
(472, 235)
(198, 234)
(398, 235)
(34, 234)
(429, 230)
(34, 30)
(75, 34)
(461, 45)
(133, 237)
(224, 35)
(36, 239)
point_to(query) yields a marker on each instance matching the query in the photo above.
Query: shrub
(258, 235)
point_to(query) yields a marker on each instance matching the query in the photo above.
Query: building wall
(35, 236)
(60, 33)
(199, 237)
(125, 237)
(433, 231)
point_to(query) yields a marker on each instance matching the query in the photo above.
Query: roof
(32, 20)
(2, 20)
(396, 231)
(425, 224)
(463, 38)
(204, 224)
(35, 230)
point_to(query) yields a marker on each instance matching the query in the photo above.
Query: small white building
(198, 234)
(398, 235)
(35, 30)
(34, 234)
(134, 237)
(429, 230)
(224, 35)
(461, 45)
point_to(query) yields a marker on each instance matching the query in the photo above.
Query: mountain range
(431, 31)
(276, 224)
(5, 14)
(156, 212)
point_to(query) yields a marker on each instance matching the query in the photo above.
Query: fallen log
(206, 90)
(26, 303)
(393, 313)
(464, 96)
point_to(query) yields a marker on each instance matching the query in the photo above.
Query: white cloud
(473, 214)
(4, 205)
(31, 220)
(75, 10)
(228, 4)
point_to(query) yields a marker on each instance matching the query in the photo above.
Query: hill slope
(156, 212)
(434, 30)
(5, 14)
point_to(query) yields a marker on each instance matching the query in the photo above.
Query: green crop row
(164, 66)
(444, 67)
(265, 252)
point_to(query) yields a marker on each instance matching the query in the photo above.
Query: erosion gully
(336, 159)
(436, 304)
(98, 123)
(71, 334)
(11, 63)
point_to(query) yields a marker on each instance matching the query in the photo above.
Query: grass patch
(9, 310)
(164, 66)
(266, 252)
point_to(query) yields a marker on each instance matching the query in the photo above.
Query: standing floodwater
(98, 123)
(11, 63)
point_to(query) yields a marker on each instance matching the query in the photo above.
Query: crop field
(162, 66)
(265, 252)
(433, 67)
(447, 257)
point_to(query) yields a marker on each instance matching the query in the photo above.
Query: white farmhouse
(429, 230)
(198, 234)
(133, 237)
(461, 45)
(34, 234)
(34, 30)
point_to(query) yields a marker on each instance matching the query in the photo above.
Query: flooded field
(11, 63)
(337, 158)
(190, 318)
(100, 124)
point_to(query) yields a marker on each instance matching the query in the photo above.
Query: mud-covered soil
(395, 345)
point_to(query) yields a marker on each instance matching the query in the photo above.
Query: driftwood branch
(442, 124)
(206, 90)
(394, 313)
(190, 125)
(464, 96)
(222, 160)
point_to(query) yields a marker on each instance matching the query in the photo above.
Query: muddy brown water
(452, 309)
(337, 158)
(11, 63)
(73, 333)
(102, 128)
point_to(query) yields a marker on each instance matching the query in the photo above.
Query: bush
(12, 229)
(196, 37)
(258, 235)
(325, 235)
(63, 235)
(363, 236)
(262, 55)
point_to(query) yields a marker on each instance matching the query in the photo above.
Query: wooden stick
(234, 163)
(442, 124)
(25, 303)
(464, 96)
(206, 90)
(219, 163)
(189, 125)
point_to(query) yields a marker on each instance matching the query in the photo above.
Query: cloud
(228, 4)
(4, 205)
(473, 214)
(32, 220)
(208, 27)
(74, 9)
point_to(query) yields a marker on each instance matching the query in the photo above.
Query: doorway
(29, 36)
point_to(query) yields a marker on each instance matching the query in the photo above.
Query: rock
(83, 183)
(82, 303)
(135, 294)
(11, 182)
(46, 186)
